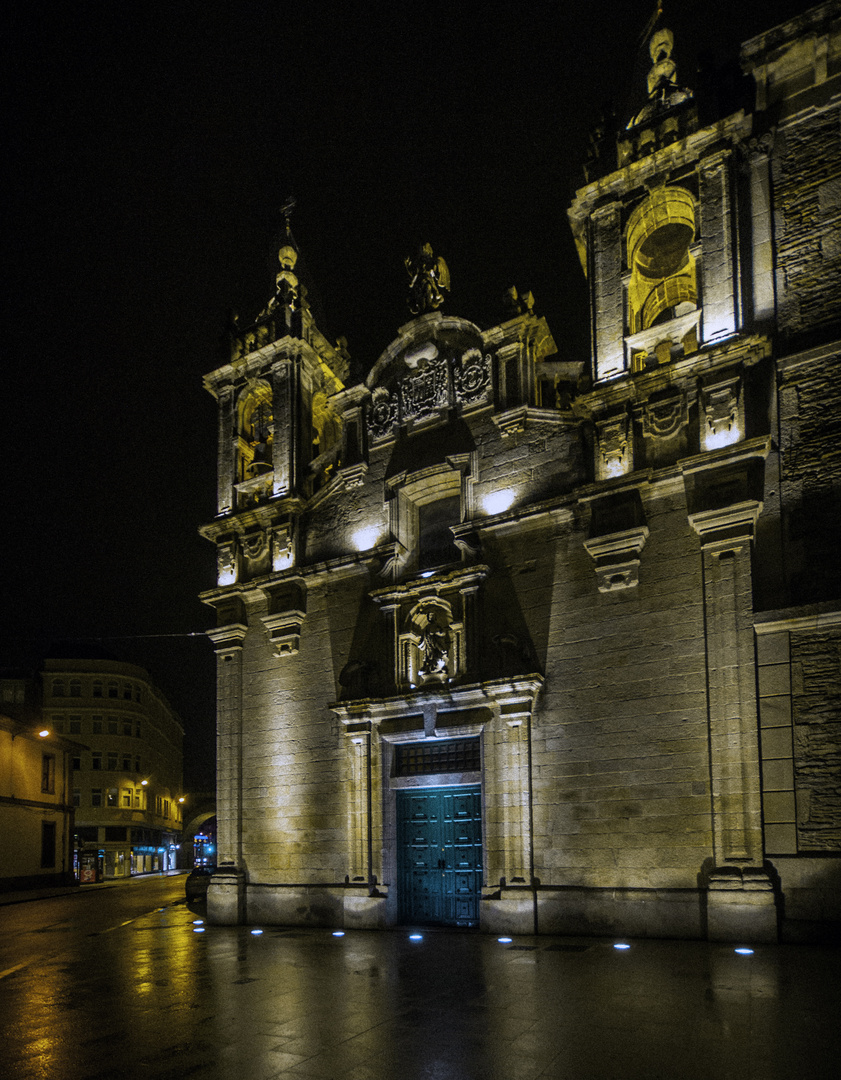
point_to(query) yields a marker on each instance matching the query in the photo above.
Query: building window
(75, 725)
(127, 797)
(112, 796)
(58, 687)
(97, 725)
(137, 693)
(158, 804)
(127, 727)
(96, 759)
(113, 726)
(47, 844)
(137, 731)
(75, 688)
(137, 764)
(126, 763)
(77, 762)
(77, 797)
(166, 807)
(126, 692)
(96, 796)
(112, 760)
(455, 755)
(137, 798)
(97, 688)
(48, 773)
(113, 690)
(58, 724)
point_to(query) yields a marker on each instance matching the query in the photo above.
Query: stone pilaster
(606, 296)
(226, 894)
(720, 318)
(226, 452)
(284, 412)
(740, 900)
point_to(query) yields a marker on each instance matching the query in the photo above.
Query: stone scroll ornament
(429, 280)
(383, 414)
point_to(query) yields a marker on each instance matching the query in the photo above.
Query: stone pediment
(436, 364)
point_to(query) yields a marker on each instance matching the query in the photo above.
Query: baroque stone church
(533, 643)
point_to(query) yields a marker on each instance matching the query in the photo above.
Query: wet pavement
(163, 996)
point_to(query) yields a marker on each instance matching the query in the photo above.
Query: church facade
(515, 641)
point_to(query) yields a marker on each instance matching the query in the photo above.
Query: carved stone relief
(472, 378)
(383, 415)
(615, 449)
(663, 418)
(427, 392)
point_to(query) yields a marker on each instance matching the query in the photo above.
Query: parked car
(197, 881)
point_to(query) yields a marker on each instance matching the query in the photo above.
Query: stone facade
(512, 640)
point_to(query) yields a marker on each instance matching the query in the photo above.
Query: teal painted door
(439, 839)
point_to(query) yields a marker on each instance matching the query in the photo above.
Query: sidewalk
(23, 896)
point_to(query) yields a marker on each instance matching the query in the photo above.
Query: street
(126, 981)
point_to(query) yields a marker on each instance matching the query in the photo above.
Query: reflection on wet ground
(167, 998)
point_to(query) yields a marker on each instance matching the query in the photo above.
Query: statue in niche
(431, 622)
(429, 280)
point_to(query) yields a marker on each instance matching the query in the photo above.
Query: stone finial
(663, 68)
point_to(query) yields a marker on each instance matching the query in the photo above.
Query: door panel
(439, 837)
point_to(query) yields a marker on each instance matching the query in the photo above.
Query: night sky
(151, 148)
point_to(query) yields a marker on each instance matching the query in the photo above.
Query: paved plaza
(164, 996)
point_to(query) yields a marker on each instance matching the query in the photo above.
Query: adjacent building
(534, 642)
(126, 767)
(36, 809)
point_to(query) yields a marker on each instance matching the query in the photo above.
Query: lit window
(112, 796)
(127, 797)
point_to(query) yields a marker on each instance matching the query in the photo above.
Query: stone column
(740, 898)
(226, 894)
(606, 295)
